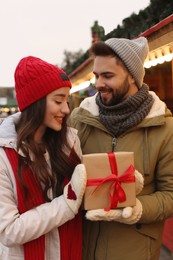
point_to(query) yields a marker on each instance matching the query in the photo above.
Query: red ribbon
(116, 193)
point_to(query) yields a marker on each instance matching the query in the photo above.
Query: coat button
(138, 226)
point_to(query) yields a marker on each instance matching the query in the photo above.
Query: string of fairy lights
(154, 58)
(159, 56)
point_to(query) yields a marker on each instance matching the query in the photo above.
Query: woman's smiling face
(57, 107)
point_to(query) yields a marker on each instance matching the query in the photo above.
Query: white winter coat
(16, 229)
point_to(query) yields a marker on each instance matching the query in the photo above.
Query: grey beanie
(133, 54)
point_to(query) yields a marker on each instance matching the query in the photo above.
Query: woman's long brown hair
(61, 164)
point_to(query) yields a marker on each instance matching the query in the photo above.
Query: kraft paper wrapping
(98, 166)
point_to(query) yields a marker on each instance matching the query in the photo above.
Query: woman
(39, 154)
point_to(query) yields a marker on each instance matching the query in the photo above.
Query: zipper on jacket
(113, 144)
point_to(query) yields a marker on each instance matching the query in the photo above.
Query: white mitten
(139, 181)
(74, 190)
(128, 215)
(101, 214)
(131, 215)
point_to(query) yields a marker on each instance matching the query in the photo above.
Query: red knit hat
(35, 78)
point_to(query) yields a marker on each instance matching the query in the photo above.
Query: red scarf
(70, 233)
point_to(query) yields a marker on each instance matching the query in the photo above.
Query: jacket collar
(158, 108)
(8, 135)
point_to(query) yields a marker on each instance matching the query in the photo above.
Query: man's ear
(131, 79)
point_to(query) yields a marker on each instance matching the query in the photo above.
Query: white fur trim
(158, 108)
(90, 105)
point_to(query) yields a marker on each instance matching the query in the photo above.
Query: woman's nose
(65, 108)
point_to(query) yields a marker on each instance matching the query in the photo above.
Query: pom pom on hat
(133, 54)
(35, 78)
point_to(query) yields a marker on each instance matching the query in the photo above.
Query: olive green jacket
(152, 144)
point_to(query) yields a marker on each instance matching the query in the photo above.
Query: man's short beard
(118, 95)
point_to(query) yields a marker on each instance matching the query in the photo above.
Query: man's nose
(99, 82)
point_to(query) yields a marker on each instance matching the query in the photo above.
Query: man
(125, 116)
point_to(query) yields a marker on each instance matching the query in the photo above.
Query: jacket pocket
(152, 235)
(153, 230)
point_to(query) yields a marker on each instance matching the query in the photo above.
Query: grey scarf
(127, 114)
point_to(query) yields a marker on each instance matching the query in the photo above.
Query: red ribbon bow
(116, 193)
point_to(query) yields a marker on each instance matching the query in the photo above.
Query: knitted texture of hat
(35, 79)
(133, 54)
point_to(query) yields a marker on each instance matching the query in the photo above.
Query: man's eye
(108, 76)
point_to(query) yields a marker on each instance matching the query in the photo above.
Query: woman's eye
(58, 102)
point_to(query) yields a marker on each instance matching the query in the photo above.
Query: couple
(42, 179)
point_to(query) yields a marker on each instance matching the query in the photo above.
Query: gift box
(110, 180)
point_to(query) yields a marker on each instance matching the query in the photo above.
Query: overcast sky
(45, 28)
